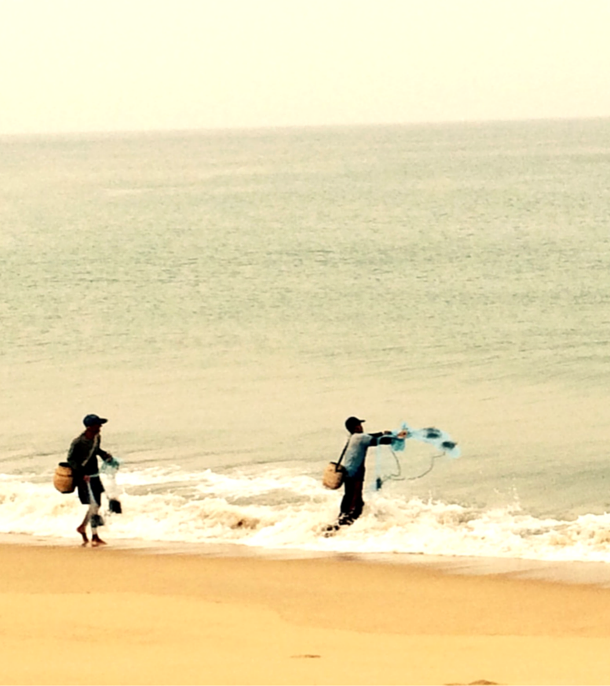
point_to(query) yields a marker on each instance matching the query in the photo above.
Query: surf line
(436, 437)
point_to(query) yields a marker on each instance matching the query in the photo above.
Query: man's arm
(386, 437)
(107, 457)
(76, 456)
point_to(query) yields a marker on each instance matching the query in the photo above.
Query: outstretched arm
(386, 437)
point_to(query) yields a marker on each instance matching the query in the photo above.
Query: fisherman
(82, 457)
(353, 462)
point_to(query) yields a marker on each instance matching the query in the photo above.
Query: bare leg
(96, 520)
(92, 510)
(82, 529)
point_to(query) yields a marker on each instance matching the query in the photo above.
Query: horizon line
(291, 127)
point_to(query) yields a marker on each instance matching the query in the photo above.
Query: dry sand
(104, 616)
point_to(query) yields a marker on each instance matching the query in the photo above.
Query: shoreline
(569, 572)
(182, 618)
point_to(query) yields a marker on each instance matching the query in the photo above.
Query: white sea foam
(280, 510)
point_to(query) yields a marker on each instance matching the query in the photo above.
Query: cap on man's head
(352, 422)
(93, 420)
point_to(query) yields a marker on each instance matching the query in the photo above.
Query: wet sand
(71, 615)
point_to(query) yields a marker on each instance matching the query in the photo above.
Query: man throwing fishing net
(82, 457)
(354, 457)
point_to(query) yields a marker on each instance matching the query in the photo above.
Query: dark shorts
(96, 486)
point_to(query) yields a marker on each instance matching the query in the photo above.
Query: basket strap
(343, 451)
(96, 443)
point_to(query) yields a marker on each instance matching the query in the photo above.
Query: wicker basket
(333, 475)
(63, 479)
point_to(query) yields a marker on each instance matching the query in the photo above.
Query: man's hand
(402, 434)
(86, 478)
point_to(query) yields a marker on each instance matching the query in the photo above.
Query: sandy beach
(104, 616)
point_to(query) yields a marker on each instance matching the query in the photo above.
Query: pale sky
(81, 65)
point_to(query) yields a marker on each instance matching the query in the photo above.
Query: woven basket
(63, 479)
(333, 475)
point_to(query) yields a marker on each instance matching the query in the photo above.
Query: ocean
(227, 298)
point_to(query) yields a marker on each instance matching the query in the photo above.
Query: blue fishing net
(109, 470)
(436, 437)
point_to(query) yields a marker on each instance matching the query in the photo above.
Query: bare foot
(96, 541)
(82, 531)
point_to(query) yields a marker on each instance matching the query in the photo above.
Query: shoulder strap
(96, 443)
(343, 451)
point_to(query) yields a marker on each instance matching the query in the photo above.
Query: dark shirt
(82, 456)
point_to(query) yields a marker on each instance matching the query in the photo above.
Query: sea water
(228, 298)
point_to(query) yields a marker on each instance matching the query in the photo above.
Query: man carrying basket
(82, 458)
(353, 463)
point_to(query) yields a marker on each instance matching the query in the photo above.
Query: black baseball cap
(93, 420)
(352, 422)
